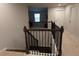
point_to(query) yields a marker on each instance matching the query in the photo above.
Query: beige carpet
(70, 45)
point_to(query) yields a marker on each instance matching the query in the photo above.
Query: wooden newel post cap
(24, 29)
(62, 28)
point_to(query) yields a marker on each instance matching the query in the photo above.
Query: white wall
(67, 17)
(12, 19)
(71, 22)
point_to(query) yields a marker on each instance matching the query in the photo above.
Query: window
(37, 17)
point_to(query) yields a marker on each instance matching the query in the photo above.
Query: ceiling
(47, 4)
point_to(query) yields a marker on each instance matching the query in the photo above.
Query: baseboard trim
(15, 50)
(4, 49)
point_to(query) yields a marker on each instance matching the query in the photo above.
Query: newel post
(26, 41)
(60, 43)
(52, 25)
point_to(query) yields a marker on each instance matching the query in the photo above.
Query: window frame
(38, 17)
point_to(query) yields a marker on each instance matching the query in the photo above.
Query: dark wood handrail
(27, 30)
(41, 22)
(44, 29)
(31, 35)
